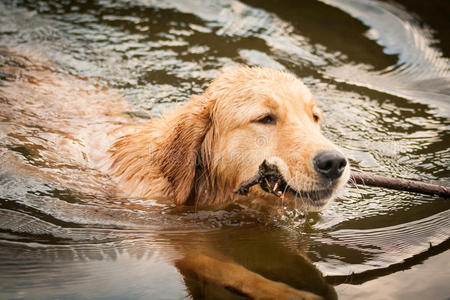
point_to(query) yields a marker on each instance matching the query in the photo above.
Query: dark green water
(380, 72)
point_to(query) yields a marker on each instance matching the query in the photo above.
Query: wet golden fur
(200, 152)
(196, 154)
(67, 135)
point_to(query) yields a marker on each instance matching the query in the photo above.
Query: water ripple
(382, 247)
(421, 72)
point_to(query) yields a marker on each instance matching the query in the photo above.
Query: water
(377, 70)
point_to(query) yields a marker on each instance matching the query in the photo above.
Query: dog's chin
(312, 200)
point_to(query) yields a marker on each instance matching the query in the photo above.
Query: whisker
(353, 182)
(288, 183)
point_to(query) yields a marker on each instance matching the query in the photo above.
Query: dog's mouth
(272, 181)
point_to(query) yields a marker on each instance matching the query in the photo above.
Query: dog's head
(245, 117)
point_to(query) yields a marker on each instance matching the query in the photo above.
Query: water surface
(377, 70)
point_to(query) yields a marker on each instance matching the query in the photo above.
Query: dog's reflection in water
(66, 130)
(261, 267)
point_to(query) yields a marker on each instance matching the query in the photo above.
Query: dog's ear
(179, 149)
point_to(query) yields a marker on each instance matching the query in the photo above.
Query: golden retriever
(197, 154)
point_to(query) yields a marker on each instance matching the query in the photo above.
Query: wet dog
(199, 153)
(254, 131)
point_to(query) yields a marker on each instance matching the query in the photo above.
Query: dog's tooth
(268, 185)
(275, 187)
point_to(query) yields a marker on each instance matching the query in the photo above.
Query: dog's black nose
(330, 164)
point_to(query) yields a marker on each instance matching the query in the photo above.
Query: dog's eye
(316, 118)
(268, 119)
(316, 114)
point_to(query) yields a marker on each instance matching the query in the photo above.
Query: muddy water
(379, 71)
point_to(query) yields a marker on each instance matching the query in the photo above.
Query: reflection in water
(421, 72)
(372, 66)
(386, 245)
(50, 260)
(109, 270)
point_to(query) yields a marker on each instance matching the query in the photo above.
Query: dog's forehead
(295, 93)
(276, 92)
(257, 90)
(286, 96)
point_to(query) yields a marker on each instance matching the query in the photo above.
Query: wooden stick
(399, 184)
(266, 170)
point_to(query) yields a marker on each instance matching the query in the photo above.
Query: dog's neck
(132, 167)
(136, 165)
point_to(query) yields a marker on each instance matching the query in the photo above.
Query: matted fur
(200, 152)
(74, 133)
(196, 154)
